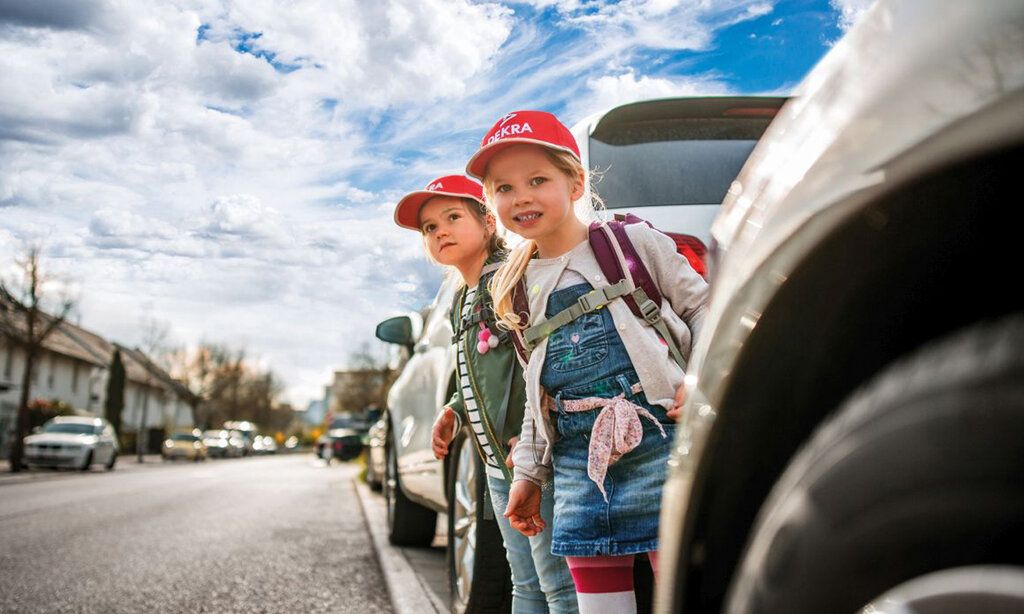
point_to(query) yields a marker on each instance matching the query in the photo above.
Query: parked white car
(72, 441)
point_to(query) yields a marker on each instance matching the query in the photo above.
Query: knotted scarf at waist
(616, 432)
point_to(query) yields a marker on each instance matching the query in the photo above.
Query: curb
(408, 593)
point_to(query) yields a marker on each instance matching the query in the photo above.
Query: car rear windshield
(184, 437)
(683, 162)
(72, 428)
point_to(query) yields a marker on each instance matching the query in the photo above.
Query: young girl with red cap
(459, 231)
(602, 390)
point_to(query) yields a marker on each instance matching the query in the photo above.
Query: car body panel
(902, 94)
(414, 400)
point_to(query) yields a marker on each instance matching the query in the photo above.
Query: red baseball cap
(407, 213)
(536, 127)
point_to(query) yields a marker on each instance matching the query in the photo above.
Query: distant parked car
(264, 444)
(222, 444)
(375, 459)
(72, 441)
(188, 446)
(853, 433)
(342, 444)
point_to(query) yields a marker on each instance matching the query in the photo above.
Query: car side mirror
(396, 330)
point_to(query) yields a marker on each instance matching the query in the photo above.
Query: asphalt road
(270, 534)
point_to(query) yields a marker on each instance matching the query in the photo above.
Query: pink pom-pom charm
(482, 347)
(492, 341)
(484, 335)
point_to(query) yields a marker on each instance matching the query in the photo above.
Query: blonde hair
(508, 274)
(480, 211)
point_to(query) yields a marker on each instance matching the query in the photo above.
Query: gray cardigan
(683, 308)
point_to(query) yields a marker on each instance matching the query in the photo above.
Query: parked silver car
(855, 411)
(669, 161)
(74, 442)
(375, 458)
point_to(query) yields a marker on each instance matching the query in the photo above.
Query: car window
(687, 172)
(71, 428)
(183, 437)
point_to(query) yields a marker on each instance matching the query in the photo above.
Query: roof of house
(14, 324)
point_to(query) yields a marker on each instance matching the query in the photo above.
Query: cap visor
(477, 165)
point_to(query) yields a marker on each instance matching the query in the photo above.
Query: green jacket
(496, 376)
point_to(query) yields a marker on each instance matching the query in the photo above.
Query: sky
(230, 168)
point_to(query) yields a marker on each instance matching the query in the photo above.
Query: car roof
(628, 117)
(79, 420)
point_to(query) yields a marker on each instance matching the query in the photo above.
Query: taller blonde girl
(601, 391)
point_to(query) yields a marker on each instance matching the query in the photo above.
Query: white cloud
(612, 90)
(231, 167)
(850, 11)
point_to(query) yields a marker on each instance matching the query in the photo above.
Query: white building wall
(56, 377)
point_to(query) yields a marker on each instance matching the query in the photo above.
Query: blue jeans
(541, 581)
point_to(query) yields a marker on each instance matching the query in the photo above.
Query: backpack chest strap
(598, 298)
(591, 301)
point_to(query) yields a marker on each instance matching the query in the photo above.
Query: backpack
(633, 284)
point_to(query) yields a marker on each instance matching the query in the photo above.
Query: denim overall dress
(585, 359)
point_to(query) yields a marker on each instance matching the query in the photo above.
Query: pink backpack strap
(645, 300)
(608, 260)
(521, 306)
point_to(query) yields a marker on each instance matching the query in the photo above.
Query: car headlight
(168, 444)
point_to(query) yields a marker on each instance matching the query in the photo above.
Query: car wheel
(409, 523)
(373, 480)
(918, 472)
(478, 572)
(87, 462)
(110, 463)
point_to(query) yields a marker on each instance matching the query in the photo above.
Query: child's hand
(677, 409)
(442, 433)
(511, 448)
(523, 511)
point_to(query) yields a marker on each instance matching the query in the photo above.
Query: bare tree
(155, 339)
(366, 382)
(27, 325)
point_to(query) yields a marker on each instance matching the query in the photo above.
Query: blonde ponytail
(504, 282)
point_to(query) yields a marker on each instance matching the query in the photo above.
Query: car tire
(87, 462)
(373, 480)
(919, 471)
(110, 464)
(409, 523)
(478, 573)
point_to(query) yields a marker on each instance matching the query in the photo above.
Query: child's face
(532, 196)
(451, 232)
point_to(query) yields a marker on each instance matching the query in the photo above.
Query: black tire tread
(413, 524)
(985, 359)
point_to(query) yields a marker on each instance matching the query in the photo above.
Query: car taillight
(694, 250)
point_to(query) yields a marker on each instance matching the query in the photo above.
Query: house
(74, 368)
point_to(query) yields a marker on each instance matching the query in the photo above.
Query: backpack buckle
(585, 302)
(649, 310)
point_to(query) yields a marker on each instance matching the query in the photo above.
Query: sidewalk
(417, 578)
